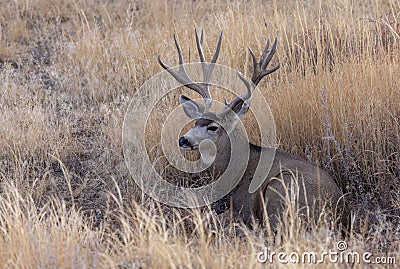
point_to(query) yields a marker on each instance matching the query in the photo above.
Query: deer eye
(212, 128)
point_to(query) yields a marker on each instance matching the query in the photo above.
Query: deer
(316, 188)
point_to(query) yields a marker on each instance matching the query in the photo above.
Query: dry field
(68, 70)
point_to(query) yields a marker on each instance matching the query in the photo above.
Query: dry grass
(69, 68)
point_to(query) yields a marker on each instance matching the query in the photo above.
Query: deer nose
(183, 142)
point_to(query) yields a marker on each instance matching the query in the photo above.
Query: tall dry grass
(69, 68)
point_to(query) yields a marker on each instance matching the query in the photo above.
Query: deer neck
(223, 155)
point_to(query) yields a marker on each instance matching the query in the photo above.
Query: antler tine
(208, 68)
(206, 71)
(178, 48)
(182, 77)
(265, 49)
(260, 70)
(249, 87)
(271, 53)
(199, 43)
(245, 96)
(216, 54)
(242, 98)
(258, 73)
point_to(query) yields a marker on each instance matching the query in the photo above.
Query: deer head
(216, 126)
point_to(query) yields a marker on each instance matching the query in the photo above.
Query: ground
(68, 70)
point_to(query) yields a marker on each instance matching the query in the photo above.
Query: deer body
(315, 186)
(290, 175)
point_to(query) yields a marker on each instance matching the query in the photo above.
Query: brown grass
(69, 68)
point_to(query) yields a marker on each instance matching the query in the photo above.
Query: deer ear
(192, 109)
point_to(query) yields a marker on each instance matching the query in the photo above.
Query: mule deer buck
(315, 186)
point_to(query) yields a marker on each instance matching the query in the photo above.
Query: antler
(208, 68)
(259, 71)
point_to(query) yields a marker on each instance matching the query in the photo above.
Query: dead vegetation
(69, 68)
